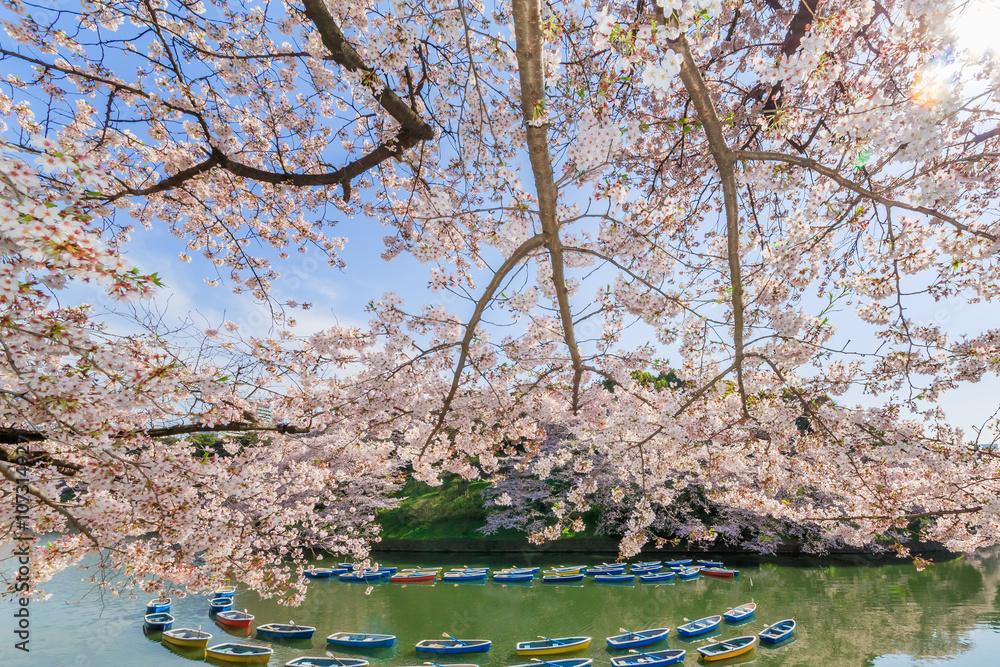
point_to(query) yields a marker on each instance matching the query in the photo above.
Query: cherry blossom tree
(764, 193)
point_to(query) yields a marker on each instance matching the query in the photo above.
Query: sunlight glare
(975, 26)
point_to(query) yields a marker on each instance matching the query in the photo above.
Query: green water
(847, 614)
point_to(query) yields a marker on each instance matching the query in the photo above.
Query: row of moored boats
(606, 573)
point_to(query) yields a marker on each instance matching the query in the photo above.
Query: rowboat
(422, 569)
(519, 570)
(239, 653)
(561, 578)
(571, 569)
(565, 662)
(348, 566)
(709, 563)
(224, 592)
(410, 577)
(548, 646)
(666, 575)
(741, 613)
(646, 569)
(638, 638)
(451, 646)
(464, 575)
(513, 576)
(310, 661)
(646, 563)
(286, 630)
(681, 561)
(651, 659)
(778, 632)
(158, 605)
(387, 570)
(614, 578)
(699, 627)
(361, 575)
(360, 640)
(606, 569)
(689, 573)
(161, 621)
(720, 572)
(319, 573)
(187, 637)
(234, 619)
(729, 648)
(220, 604)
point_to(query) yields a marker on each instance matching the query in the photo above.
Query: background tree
(720, 182)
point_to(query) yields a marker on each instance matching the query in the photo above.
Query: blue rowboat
(709, 563)
(651, 659)
(550, 645)
(452, 646)
(232, 652)
(561, 578)
(521, 570)
(310, 661)
(614, 578)
(680, 561)
(464, 575)
(513, 576)
(216, 605)
(565, 662)
(646, 563)
(360, 640)
(689, 573)
(286, 630)
(778, 632)
(158, 605)
(361, 575)
(646, 569)
(161, 621)
(638, 638)
(224, 592)
(348, 566)
(606, 569)
(666, 575)
(699, 627)
(319, 573)
(741, 613)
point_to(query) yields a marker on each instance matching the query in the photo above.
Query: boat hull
(565, 662)
(454, 647)
(720, 573)
(651, 659)
(360, 640)
(741, 613)
(311, 661)
(711, 652)
(234, 622)
(614, 578)
(319, 574)
(158, 622)
(699, 627)
(658, 576)
(304, 632)
(778, 632)
(636, 639)
(177, 638)
(552, 647)
(515, 576)
(561, 578)
(410, 578)
(221, 604)
(239, 653)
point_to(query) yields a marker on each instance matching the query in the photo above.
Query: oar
(437, 665)
(628, 632)
(554, 664)
(445, 634)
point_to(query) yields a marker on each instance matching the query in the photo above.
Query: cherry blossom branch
(701, 97)
(522, 251)
(769, 156)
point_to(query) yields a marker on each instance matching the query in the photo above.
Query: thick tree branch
(859, 189)
(38, 493)
(528, 32)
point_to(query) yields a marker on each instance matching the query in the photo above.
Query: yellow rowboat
(547, 646)
(239, 653)
(566, 570)
(187, 637)
(728, 649)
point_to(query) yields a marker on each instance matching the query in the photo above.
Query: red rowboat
(410, 577)
(234, 619)
(719, 572)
